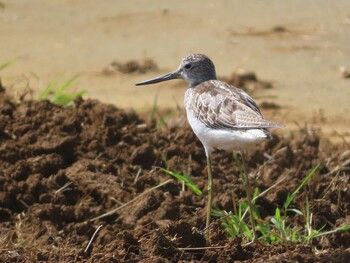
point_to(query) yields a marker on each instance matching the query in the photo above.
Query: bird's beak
(169, 76)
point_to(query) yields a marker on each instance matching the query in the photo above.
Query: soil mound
(60, 168)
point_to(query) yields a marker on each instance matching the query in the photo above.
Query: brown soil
(62, 167)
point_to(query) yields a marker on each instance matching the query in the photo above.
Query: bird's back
(219, 105)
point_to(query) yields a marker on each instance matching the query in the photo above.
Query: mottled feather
(221, 106)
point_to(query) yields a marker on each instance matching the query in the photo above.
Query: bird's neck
(193, 84)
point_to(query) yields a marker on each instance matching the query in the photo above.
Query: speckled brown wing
(221, 106)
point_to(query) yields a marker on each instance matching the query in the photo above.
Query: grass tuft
(60, 94)
(277, 230)
(273, 230)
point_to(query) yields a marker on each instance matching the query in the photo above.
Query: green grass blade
(343, 228)
(275, 223)
(337, 230)
(278, 214)
(297, 211)
(186, 179)
(68, 83)
(45, 93)
(7, 64)
(291, 197)
(164, 119)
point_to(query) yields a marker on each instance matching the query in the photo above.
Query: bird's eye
(188, 66)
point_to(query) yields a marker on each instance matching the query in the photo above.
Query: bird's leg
(210, 193)
(248, 189)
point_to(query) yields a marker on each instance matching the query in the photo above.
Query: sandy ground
(54, 40)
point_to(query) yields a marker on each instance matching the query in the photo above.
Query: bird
(222, 116)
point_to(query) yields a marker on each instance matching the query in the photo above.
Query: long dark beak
(169, 76)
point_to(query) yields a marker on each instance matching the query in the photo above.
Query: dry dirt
(62, 167)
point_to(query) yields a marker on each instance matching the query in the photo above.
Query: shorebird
(221, 115)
